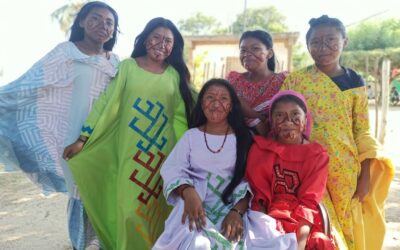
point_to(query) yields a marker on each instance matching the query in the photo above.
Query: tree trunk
(385, 99)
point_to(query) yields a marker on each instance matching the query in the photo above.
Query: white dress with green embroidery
(192, 163)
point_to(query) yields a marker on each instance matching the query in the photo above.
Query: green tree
(65, 14)
(301, 57)
(268, 18)
(200, 24)
(372, 35)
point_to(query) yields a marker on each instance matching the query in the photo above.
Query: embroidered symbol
(287, 181)
(149, 186)
(154, 120)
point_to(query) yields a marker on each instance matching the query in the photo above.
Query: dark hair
(237, 123)
(77, 32)
(175, 58)
(266, 39)
(325, 20)
(289, 98)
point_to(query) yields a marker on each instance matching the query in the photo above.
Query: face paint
(159, 44)
(254, 54)
(288, 122)
(216, 104)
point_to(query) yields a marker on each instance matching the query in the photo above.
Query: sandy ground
(28, 220)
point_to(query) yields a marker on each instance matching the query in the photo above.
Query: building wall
(216, 56)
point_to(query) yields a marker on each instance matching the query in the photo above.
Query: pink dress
(256, 94)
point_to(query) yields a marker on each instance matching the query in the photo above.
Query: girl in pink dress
(260, 83)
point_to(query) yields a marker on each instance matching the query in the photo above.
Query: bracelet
(183, 189)
(82, 140)
(237, 211)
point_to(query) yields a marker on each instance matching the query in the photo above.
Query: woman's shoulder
(282, 74)
(234, 76)
(280, 77)
(65, 48)
(349, 80)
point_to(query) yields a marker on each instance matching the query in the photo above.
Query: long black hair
(325, 20)
(237, 123)
(77, 32)
(265, 38)
(175, 59)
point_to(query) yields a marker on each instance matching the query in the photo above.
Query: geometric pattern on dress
(149, 163)
(149, 213)
(216, 211)
(35, 110)
(287, 181)
(153, 113)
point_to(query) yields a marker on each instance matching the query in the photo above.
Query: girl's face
(159, 44)
(98, 25)
(254, 54)
(216, 104)
(325, 45)
(288, 122)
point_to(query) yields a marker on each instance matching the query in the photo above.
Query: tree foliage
(65, 15)
(373, 35)
(200, 24)
(268, 18)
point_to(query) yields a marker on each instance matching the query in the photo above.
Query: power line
(365, 19)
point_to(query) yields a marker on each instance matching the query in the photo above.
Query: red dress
(289, 181)
(256, 94)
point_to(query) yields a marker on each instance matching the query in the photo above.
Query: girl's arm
(302, 232)
(114, 88)
(363, 182)
(193, 210)
(179, 185)
(362, 137)
(247, 110)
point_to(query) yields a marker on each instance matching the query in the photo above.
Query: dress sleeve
(114, 88)
(312, 187)
(255, 178)
(53, 69)
(175, 171)
(364, 140)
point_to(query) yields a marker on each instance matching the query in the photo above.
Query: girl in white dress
(203, 180)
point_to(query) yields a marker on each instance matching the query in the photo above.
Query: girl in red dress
(287, 173)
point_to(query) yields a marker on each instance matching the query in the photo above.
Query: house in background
(215, 56)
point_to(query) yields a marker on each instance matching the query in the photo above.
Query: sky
(28, 32)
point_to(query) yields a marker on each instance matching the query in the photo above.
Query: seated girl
(203, 181)
(288, 174)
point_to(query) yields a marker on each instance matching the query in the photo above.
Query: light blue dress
(42, 112)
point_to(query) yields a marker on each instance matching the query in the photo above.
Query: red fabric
(256, 93)
(289, 181)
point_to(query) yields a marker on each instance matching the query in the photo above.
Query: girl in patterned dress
(359, 176)
(259, 83)
(131, 129)
(43, 110)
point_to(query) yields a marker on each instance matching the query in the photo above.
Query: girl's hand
(193, 210)
(73, 149)
(363, 181)
(232, 226)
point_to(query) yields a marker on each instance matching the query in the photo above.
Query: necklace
(223, 143)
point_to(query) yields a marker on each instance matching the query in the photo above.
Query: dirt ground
(28, 220)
